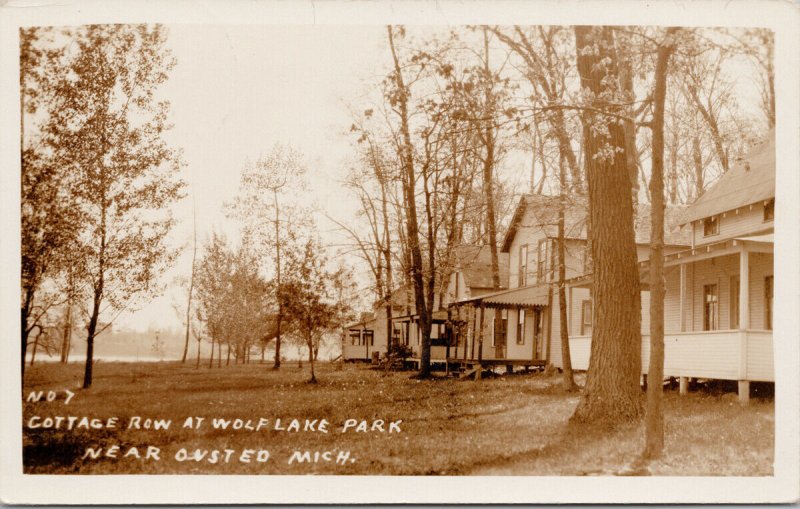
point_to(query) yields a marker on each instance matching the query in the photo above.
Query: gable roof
(475, 264)
(674, 235)
(750, 181)
(544, 209)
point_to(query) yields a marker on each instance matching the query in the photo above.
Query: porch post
(480, 346)
(744, 323)
(682, 309)
(744, 290)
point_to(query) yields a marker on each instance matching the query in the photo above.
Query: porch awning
(527, 296)
(768, 238)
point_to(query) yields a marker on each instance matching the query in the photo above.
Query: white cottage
(521, 326)
(719, 291)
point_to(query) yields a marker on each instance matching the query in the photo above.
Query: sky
(237, 90)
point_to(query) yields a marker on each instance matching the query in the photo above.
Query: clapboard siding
(761, 266)
(579, 350)
(699, 355)
(733, 224)
(714, 355)
(672, 299)
(716, 271)
(760, 363)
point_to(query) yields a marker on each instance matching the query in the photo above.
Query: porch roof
(526, 296)
(755, 243)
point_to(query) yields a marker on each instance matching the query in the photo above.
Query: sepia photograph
(482, 251)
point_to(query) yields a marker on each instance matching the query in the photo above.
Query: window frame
(522, 265)
(769, 301)
(714, 229)
(520, 326)
(542, 260)
(708, 305)
(733, 317)
(584, 315)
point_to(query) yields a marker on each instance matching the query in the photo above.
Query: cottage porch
(718, 314)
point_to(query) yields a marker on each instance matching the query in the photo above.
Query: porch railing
(725, 355)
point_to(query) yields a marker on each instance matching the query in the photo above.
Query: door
(500, 330)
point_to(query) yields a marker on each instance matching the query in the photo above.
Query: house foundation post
(744, 324)
(744, 392)
(684, 386)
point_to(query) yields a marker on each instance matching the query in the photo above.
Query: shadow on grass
(46, 449)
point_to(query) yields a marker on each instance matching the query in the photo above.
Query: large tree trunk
(612, 391)
(654, 423)
(631, 155)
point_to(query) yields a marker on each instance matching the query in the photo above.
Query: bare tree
(654, 426)
(263, 214)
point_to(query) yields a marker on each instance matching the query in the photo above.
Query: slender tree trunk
(279, 318)
(566, 358)
(87, 373)
(412, 224)
(211, 357)
(191, 282)
(612, 392)
(228, 356)
(697, 158)
(488, 166)
(673, 171)
(219, 354)
(311, 361)
(67, 333)
(35, 347)
(654, 423)
(197, 366)
(25, 313)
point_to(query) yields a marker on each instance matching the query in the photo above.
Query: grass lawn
(510, 425)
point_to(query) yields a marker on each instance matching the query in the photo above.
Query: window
(710, 307)
(542, 261)
(710, 226)
(769, 210)
(500, 328)
(369, 338)
(523, 266)
(768, 292)
(586, 318)
(355, 337)
(521, 327)
(734, 302)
